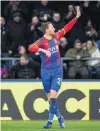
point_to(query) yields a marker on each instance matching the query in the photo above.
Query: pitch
(38, 126)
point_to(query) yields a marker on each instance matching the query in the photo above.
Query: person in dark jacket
(16, 32)
(4, 33)
(63, 47)
(57, 22)
(77, 66)
(15, 6)
(32, 56)
(34, 31)
(43, 11)
(25, 69)
(90, 31)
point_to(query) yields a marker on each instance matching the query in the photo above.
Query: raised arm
(68, 26)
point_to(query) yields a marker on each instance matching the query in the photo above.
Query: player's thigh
(46, 81)
(56, 80)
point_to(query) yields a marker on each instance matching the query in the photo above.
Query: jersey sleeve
(66, 28)
(35, 46)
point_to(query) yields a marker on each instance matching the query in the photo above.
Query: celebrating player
(51, 68)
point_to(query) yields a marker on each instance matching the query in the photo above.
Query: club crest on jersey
(54, 49)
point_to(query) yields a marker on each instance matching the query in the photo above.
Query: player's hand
(37, 53)
(48, 53)
(45, 52)
(78, 57)
(78, 12)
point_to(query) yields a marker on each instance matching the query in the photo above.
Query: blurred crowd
(21, 26)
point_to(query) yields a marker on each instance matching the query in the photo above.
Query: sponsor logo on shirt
(54, 49)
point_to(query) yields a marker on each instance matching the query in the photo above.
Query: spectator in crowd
(63, 47)
(90, 31)
(4, 32)
(92, 10)
(84, 47)
(16, 32)
(71, 12)
(15, 6)
(32, 56)
(34, 31)
(57, 22)
(22, 50)
(93, 65)
(43, 11)
(25, 69)
(78, 31)
(77, 66)
(86, 3)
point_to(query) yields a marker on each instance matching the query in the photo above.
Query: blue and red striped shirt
(53, 46)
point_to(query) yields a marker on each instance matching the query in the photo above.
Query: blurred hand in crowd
(10, 52)
(78, 57)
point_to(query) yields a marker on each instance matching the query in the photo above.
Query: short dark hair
(25, 56)
(77, 41)
(55, 12)
(44, 26)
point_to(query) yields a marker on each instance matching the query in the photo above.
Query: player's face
(51, 29)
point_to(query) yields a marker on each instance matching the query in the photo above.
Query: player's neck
(47, 36)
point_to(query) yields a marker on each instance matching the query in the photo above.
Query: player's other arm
(36, 47)
(69, 26)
